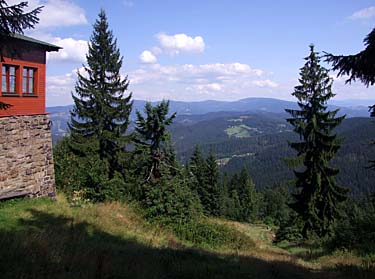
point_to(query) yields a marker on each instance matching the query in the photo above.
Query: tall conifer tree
(317, 202)
(100, 117)
(248, 196)
(153, 139)
(211, 192)
(197, 166)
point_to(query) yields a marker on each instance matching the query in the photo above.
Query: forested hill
(256, 138)
(260, 142)
(198, 111)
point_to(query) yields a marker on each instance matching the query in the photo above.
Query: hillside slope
(262, 148)
(42, 238)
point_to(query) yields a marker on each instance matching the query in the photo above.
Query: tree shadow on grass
(50, 246)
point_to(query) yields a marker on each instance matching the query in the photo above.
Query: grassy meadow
(43, 238)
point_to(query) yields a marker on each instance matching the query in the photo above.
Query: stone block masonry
(26, 161)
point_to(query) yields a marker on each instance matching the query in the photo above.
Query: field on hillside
(42, 238)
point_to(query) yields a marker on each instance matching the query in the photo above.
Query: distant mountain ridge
(248, 104)
(204, 110)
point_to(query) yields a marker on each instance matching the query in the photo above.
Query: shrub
(356, 229)
(87, 174)
(170, 201)
(211, 235)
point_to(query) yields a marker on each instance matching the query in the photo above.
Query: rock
(26, 165)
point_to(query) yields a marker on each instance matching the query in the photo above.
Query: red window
(8, 80)
(28, 80)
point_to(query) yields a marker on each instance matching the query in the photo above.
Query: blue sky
(213, 49)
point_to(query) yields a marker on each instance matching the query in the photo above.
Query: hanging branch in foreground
(359, 66)
(14, 20)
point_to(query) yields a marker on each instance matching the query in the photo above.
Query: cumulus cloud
(265, 83)
(221, 72)
(147, 57)
(180, 43)
(364, 13)
(208, 88)
(73, 50)
(224, 81)
(60, 87)
(56, 13)
(173, 45)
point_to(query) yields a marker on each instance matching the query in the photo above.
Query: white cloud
(265, 83)
(180, 43)
(60, 87)
(73, 50)
(186, 72)
(56, 13)
(147, 57)
(224, 81)
(173, 44)
(355, 90)
(208, 88)
(364, 13)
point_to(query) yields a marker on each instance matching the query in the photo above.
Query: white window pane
(12, 70)
(12, 85)
(31, 85)
(24, 85)
(4, 84)
(31, 73)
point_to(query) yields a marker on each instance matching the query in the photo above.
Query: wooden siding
(26, 104)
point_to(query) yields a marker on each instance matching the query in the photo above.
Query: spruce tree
(197, 166)
(210, 194)
(318, 198)
(153, 140)
(100, 116)
(248, 196)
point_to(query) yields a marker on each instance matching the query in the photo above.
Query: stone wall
(26, 162)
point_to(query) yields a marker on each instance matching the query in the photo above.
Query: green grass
(41, 238)
(239, 131)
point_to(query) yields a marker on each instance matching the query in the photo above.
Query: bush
(211, 235)
(275, 209)
(170, 201)
(290, 230)
(87, 174)
(356, 230)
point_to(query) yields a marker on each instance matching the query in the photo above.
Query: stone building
(26, 162)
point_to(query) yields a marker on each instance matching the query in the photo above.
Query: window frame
(27, 79)
(8, 76)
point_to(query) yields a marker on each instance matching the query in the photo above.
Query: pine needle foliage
(318, 198)
(210, 194)
(102, 105)
(358, 66)
(13, 19)
(153, 139)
